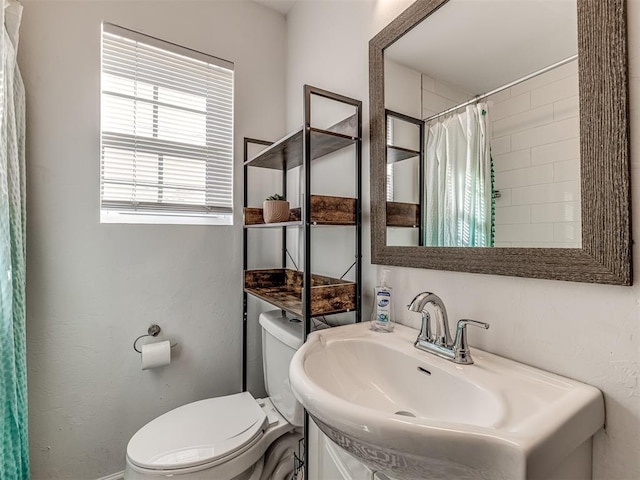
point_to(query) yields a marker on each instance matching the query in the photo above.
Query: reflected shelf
(400, 214)
(397, 154)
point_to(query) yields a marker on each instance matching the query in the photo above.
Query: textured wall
(587, 332)
(93, 288)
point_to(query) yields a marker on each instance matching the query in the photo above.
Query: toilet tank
(281, 338)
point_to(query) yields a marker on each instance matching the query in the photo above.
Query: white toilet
(225, 438)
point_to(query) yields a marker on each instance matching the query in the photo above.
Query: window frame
(150, 212)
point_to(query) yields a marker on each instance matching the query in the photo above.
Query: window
(166, 132)
(389, 165)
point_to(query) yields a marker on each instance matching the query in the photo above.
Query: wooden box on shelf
(283, 288)
(325, 210)
(401, 214)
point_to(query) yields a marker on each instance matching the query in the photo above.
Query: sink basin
(410, 414)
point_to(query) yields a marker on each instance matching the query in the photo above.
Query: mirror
(543, 190)
(521, 186)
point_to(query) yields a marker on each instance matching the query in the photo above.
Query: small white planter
(275, 211)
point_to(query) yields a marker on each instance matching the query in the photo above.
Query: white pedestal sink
(413, 415)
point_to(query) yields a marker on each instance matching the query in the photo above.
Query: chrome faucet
(435, 329)
(434, 336)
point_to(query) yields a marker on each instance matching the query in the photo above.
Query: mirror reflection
(483, 127)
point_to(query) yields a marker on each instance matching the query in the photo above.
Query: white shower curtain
(14, 449)
(458, 183)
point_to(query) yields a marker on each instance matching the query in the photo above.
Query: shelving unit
(402, 214)
(302, 293)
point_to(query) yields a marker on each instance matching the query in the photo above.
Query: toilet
(235, 437)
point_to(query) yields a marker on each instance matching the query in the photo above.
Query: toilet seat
(199, 434)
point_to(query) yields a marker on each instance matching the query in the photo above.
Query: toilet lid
(198, 433)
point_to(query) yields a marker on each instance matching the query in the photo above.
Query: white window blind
(166, 132)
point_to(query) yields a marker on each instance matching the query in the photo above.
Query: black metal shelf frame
(301, 148)
(245, 262)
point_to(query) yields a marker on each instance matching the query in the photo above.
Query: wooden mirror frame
(605, 256)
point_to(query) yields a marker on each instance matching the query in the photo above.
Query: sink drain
(404, 413)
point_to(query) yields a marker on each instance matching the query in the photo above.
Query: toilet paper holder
(152, 331)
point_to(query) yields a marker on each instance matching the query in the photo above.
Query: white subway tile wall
(506, 106)
(540, 119)
(554, 212)
(544, 193)
(511, 160)
(545, 134)
(500, 146)
(556, 152)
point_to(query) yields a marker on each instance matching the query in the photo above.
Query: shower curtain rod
(477, 98)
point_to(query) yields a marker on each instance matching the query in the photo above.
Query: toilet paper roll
(155, 355)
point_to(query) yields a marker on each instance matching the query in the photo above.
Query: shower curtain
(458, 181)
(14, 459)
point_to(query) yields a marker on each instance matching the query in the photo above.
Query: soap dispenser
(382, 316)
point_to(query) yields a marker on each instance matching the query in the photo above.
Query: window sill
(111, 216)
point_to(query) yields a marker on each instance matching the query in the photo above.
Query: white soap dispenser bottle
(382, 316)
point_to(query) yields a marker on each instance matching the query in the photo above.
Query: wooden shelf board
(287, 152)
(299, 224)
(276, 225)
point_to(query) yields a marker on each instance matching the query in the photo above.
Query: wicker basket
(275, 211)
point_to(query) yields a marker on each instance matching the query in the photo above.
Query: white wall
(438, 96)
(587, 332)
(92, 288)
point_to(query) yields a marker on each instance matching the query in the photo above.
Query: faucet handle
(460, 344)
(466, 321)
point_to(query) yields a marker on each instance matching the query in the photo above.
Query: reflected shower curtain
(458, 181)
(14, 459)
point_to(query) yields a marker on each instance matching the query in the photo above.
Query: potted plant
(275, 209)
